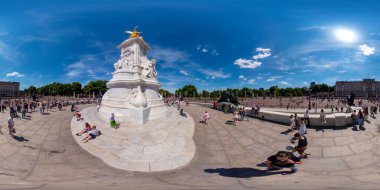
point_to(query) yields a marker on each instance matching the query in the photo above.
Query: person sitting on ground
(78, 115)
(302, 145)
(92, 134)
(283, 159)
(87, 128)
(113, 121)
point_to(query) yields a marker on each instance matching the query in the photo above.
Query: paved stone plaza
(44, 155)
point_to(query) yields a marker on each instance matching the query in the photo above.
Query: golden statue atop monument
(134, 33)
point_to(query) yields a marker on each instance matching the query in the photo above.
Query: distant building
(365, 88)
(9, 89)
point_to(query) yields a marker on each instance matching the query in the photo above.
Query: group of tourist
(23, 106)
(287, 159)
(92, 132)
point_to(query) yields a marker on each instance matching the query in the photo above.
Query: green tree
(164, 93)
(76, 87)
(187, 91)
(98, 86)
(31, 90)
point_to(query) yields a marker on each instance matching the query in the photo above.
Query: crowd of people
(317, 103)
(18, 108)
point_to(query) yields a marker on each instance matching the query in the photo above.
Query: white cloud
(215, 74)
(314, 28)
(184, 72)
(259, 77)
(242, 77)
(366, 50)
(30, 38)
(7, 53)
(206, 48)
(253, 63)
(247, 63)
(265, 52)
(271, 80)
(261, 55)
(342, 71)
(251, 81)
(169, 58)
(15, 74)
(285, 83)
(94, 66)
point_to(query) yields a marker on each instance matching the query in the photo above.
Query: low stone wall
(336, 120)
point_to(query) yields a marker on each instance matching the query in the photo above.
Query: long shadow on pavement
(242, 172)
(19, 138)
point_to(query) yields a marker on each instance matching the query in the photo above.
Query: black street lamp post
(309, 98)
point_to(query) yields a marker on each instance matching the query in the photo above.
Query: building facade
(365, 88)
(9, 89)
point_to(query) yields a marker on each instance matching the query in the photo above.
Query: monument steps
(161, 147)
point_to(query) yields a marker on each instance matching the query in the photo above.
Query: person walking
(354, 120)
(1, 132)
(322, 117)
(306, 118)
(97, 107)
(206, 116)
(236, 117)
(292, 123)
(360, 119)
(23, 112)
(11, 125)
(302, 130)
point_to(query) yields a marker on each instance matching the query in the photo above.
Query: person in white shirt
(302, 130)
(92, 134)
(322, 117)
(11, 125)
(97, 107)
(306, 118)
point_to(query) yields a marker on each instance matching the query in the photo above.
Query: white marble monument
(133, 90)
(151, 136)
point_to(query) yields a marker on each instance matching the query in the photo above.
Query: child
(206, 116)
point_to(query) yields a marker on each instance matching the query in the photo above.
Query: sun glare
(345, 35)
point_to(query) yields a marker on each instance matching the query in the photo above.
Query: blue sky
(212, 44)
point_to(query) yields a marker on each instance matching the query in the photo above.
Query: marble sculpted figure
(133, 90)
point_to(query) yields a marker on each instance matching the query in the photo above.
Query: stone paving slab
(226, 157)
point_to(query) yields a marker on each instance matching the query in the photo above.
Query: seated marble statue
(150, 70)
